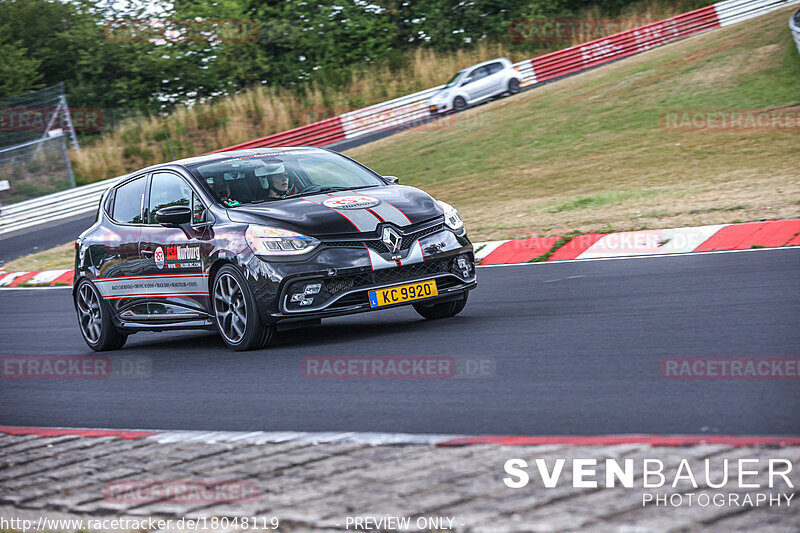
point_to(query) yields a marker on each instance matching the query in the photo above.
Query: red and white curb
(388, 439)
(769, 234)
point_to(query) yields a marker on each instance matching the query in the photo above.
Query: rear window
(128, 202)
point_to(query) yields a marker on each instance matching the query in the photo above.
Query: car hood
(440, 95)
(343, 212)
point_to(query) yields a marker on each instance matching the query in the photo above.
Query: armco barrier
(406, 110)
(794, 25)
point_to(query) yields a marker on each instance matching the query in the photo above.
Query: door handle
(148, 251)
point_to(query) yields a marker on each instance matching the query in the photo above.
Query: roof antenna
(169, 144)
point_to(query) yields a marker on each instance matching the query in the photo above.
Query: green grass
(589, 152)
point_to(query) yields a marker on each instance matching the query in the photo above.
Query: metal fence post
(66, 161)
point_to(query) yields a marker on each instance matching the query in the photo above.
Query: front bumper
(347, 291)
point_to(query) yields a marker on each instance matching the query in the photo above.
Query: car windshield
(453, 80)
(275, 176)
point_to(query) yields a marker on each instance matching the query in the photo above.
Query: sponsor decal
(351, 202)
(183, 257)
(159, 258)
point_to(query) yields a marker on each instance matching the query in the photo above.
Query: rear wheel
(459, 104)
(94, 319)
(513, 86)
(441, 310)
(235, 312)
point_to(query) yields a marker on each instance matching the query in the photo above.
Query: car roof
(219, 156)
(495, 60)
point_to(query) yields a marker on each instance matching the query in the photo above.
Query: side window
(128, 202)
(476, 75)
(167, 190)
(198, 210)
(494, 68)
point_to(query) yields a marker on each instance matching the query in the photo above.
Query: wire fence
(35, 128)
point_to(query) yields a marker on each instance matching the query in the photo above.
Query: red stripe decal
(154, 295)
(78, 432)
(376, 215)
(612, 440)
(148, 276)
(335, 211)
(396, 209)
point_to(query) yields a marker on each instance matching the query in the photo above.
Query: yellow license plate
(403, 293)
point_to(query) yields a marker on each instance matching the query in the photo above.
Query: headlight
(451, 217)
(264, 240)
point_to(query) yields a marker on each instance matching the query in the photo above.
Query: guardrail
(408, 109)
(794, 25)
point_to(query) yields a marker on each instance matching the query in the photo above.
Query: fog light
(313, 288)
(306, 301)
(297, 297)
(462, 263)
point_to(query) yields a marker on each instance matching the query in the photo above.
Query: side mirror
(392, 180)
(175, 215)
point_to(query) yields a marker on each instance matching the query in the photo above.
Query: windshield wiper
(320, 191)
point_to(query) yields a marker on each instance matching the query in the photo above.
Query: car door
(476, 83)
(175, 257)
(495, 81)
(114, 251)
(471, 84)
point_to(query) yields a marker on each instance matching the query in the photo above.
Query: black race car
(240, 241)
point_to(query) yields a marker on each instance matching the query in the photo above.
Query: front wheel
(237, 318)
(94, 319)
(459, 104)
(441, 310)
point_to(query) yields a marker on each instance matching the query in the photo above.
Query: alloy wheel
(230, 308)
(89, 313)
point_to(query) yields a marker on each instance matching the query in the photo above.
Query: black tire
(94, 319)
(441, 310)
(513, 86)
(235, 308)
(459, 104)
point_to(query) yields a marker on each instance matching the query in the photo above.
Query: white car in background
(476, 84)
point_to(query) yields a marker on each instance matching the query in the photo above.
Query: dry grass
(259, 112)
(60, 257)
(588, 153)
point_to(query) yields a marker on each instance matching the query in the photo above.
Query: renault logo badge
(392, 239)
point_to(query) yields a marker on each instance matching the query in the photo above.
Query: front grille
(380, 247)
(332, 286)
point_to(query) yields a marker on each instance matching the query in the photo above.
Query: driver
(274, 179)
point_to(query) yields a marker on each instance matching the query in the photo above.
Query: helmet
(270, 170)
